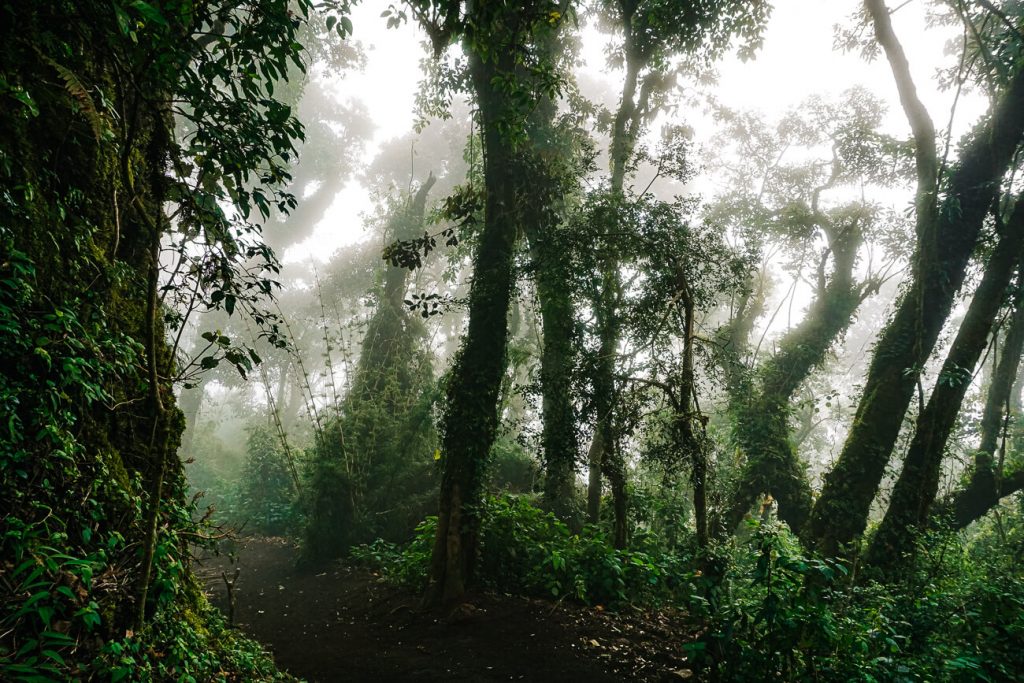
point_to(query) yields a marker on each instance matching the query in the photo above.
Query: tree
(950, 207)
(659, 39)
(91, 90)
(553, 161)
(918, 483)
(990, 479)
(496, 40)
(783, 206)
(372, 467)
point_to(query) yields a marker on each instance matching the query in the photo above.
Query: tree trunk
(946, 240)
(986, 486)
(605, 440)
(615, 472)
(559, 429)
(691, 445)
(607, 303)
(594, 478)
(773, 465)
(191, 403)
(544, 181)
(918, 482)
(471, 418)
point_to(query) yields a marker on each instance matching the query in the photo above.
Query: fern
(81, 95)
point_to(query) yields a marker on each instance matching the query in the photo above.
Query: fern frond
(81, 95)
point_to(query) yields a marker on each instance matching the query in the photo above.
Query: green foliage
(663, 29)
(408, 564)
(373, 475)
(267, 495)
(511, 468)
(527, 551)
(196, 645)
(373, 466)
(56, 361)
(84, 159)
(782, 614)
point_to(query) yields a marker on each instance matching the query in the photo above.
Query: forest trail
(339, 623)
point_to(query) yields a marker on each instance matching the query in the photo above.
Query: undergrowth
(527, 551)
(773, 612)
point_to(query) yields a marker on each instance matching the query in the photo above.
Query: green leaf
(149, 12)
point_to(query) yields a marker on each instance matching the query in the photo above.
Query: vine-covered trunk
(947, 236)
(915, 489)
(544, 183)
(82, 213)
(471, 418)
(762, 409)
(594, 454)
(558, 439)
(987, 483)
(685, 418)
(607, 456)
(604, 457)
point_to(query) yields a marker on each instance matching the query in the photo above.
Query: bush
(408, 565)
(787, 616)
(528, 551)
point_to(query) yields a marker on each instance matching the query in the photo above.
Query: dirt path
(338, 623)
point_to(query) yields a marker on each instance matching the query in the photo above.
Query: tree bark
(594, 478)
(558, 440)
(985, 485)
(545, 181)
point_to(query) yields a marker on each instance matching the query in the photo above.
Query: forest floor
(343, 623)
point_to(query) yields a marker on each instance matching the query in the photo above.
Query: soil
(343, 623)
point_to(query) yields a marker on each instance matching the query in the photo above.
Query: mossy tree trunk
(986, 482)
(547, 181)
(918, 483)
(558, 439)
(606, 456)
(471, 418)
(87, 212)
(762, 404)
(946, 238)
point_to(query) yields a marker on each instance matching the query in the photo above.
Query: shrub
(527, 551)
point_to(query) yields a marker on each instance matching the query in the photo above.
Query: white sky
(797, 60)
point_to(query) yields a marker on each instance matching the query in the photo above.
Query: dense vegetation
(632, 348)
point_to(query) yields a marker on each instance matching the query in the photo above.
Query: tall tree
(659, 40)
(990, 478)
(91, 90)
(950, 207)
(498, 41)
(918, 482)
(776, 203)
(372, 468)
(552, 163)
